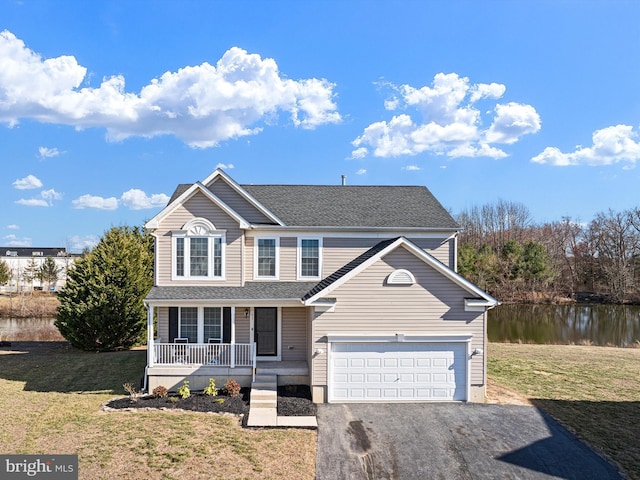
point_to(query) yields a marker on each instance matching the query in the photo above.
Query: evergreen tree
(49, 272)
(101, 306)
(5, 273)
(30, 272)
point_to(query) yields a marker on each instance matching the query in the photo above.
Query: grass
(50, 398)
(593, 391)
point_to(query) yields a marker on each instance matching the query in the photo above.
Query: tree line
(505, 252)
(48, 272)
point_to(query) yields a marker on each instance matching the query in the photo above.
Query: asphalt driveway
(449, 441)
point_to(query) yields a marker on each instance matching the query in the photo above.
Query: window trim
(198, 228)
(180, 323)
(256, 275)
(299, 259)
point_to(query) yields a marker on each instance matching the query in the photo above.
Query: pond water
(605, 325)
(614, 325)
(29, 330)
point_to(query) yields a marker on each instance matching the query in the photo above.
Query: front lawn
(50, 399)
(594, 391)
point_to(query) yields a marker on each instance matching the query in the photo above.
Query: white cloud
(14, 241)
(446, 121)
(511, 122)
(362, 171)
(77, 243)
(33, 202)
(138, 200)
(611, 145)
(92, 201)
(13, 226)
(27, 183)
(45, 199)
(411, 168)
(202, 105)
(225, 166)
(46, 152)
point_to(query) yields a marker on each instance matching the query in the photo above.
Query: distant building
(19, 260)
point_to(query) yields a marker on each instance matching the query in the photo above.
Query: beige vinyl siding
(337, 251)
(294, 333)
(199, 206)
(242, 326)
(163, 324)
(288, 258)
(238, 204)
(366, 305)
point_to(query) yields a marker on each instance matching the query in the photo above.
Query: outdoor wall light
(477, 351)
(246, 312)
(319, 351)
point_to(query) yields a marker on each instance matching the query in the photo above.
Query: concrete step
(260, 395)
(263, 403)
(264, 386)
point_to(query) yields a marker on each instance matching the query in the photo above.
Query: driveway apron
(449, 441)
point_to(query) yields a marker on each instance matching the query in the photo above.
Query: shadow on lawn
(610, 428)
(58, 367)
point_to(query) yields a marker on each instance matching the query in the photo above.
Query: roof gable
(183, 194)
(375, 253)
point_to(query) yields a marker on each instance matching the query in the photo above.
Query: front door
(266, 331)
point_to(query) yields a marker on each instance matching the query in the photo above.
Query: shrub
(130, 389)
(160, 392)
(101, 306)
(232, 387)
(211, 389)
(184, 391)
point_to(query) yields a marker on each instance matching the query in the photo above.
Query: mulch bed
(293, 400)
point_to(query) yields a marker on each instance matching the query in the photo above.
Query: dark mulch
(295, 400)
(197, 402)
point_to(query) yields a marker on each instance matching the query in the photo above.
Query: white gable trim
(192, 190)
(243, 193)
(440, 267)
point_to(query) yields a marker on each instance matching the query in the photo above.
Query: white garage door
(387, 372)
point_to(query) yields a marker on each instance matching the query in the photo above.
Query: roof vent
(344, 180)
(401, 277)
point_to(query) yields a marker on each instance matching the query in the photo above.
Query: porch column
(233, 337)
(150, 334)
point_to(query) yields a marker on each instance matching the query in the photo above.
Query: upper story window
(266, 255)
(309, 258)
(198, 251)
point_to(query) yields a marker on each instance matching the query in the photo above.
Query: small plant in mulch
(211, 389)
(184, 391)
(160, 392)
(232, 387)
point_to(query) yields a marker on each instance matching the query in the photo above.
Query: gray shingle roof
(251, 290)
(353, 206)
(349, 206)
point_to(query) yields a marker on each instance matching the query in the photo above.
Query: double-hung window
(188, 324)
(213, 324)
(266, 254)
(198, 251)
(309, 258)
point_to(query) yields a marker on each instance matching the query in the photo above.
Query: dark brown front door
(266, 331)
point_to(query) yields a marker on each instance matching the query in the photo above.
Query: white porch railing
(212, 354)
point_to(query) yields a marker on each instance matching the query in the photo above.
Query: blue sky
(105, 106)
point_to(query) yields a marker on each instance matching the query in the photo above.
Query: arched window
(198, 251)
(401, 277)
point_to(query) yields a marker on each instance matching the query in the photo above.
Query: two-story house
(351, 290)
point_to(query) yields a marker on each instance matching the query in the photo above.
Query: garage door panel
(398, 371)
